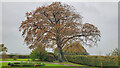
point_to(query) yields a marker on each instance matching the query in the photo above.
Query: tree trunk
(58, 40)
(61, 55)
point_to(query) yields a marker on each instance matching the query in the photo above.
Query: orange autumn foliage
(58, 24)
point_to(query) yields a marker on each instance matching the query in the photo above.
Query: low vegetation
(74, 48)
(47, 65)
(26, 64)
(39, 53)
(93, 60)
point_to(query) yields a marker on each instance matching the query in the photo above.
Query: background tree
(114, 52)
(15, 57)
(74, 48)
(57, 24)
(3, 48)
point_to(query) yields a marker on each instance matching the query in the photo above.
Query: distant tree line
(114, 52)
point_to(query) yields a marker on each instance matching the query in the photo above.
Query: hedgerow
(93, 60)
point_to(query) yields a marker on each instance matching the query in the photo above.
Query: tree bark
(59, 42)
(61, 55)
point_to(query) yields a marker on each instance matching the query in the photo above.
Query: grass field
(15, 60)
(47, 65)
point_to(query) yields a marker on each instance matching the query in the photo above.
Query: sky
(0, 22)
(103, 15)
(60, 0)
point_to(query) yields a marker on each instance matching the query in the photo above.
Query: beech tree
(57, 24)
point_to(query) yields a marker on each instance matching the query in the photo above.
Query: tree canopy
(114, 52)
(57, 24)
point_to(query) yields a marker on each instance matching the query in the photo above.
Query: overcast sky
(104, 15)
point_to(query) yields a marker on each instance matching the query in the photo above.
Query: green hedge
(93, 60)
(19, 56)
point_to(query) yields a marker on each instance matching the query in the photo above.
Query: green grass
(4, 63)
(72, 64)
(47, 65)
(80, 65)
(43, 67)
(15, 60)
(77, 65)
(68, 63)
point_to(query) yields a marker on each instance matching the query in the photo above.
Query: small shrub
(38, 53)
(14, 57)
(50, 57)
(5, 56)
